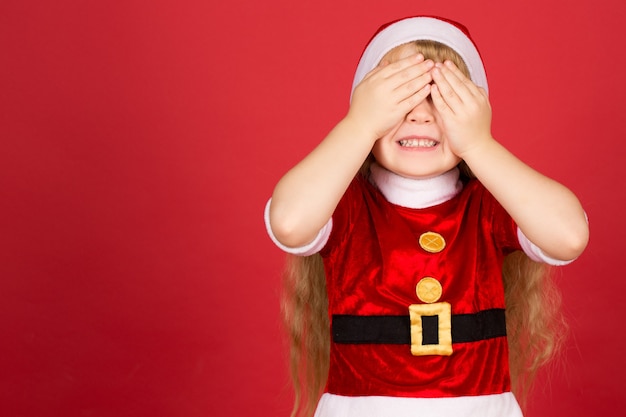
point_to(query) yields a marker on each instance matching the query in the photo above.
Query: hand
(463, 106)
(388, 93)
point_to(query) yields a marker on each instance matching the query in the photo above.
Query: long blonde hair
(535, 324)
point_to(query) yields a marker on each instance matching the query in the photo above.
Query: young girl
(400, 224)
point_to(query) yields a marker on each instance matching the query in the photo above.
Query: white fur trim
(422, 28)
(496, 405)
(536, 254)
(416, 193)
(315, 246)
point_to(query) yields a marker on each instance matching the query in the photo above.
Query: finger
(404, 63)
(410, 81)
(412, 101)
(411, 87)
(374, 71)
(468, 92)
(445, 87)
(409, 73)
(438, 101)
(469, 84)
(459, 80)
(386, 68)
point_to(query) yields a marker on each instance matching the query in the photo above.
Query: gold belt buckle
(443, 313)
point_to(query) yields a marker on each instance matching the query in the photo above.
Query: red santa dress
(416, 298)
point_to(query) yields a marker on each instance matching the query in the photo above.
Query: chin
(421, 174)
(418, 168)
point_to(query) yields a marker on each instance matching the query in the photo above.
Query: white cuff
(536, 254)
(309, 249)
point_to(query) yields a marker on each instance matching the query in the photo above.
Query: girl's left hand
(463, 106)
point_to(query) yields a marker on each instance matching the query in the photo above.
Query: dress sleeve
(346, 213)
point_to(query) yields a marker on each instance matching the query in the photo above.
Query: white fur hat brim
(422, 28)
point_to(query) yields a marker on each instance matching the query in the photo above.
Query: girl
(401, 224)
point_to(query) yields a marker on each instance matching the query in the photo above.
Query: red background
(141, 139)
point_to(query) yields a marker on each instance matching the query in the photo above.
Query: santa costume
(414, 281)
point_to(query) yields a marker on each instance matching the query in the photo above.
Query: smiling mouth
(418, 143)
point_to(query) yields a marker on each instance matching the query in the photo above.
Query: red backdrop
(141, 139)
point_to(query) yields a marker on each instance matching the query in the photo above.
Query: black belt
(483, 325)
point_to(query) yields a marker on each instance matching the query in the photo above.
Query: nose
(423, 113)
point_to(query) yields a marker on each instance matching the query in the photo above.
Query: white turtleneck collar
(415, 193)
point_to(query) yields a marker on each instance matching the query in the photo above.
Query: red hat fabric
(447, 32)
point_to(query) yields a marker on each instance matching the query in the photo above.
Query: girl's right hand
(388, 93)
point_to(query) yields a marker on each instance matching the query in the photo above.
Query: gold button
(432, 242)
(429, 290)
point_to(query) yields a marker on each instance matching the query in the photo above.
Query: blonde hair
(535, 324)
(436, 51)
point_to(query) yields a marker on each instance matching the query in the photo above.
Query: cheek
(377, 150)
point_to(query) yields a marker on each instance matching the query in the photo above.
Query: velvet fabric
(373, 262)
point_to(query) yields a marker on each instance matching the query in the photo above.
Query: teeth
(418, 143)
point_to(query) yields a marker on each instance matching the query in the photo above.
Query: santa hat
(447, 32)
